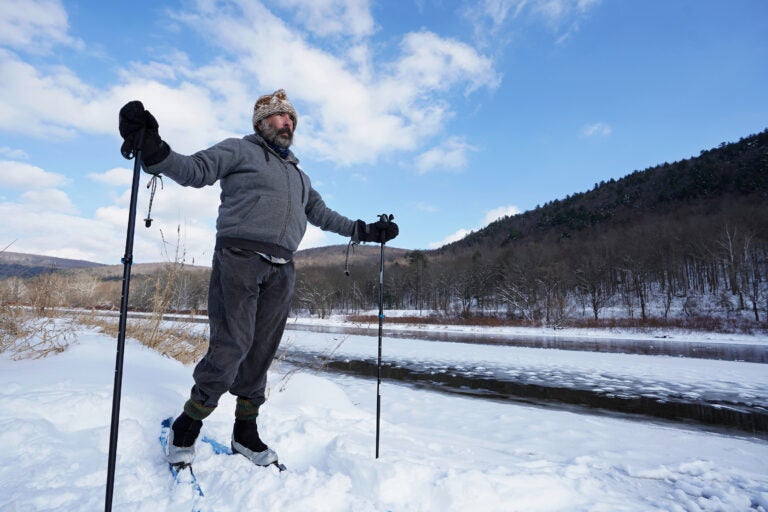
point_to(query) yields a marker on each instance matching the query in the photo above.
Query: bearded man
(266, 202)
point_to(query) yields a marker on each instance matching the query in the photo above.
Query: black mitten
(135, 121)
(380, 231)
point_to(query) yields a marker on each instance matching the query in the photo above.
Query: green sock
(196, 410)
(246, 410)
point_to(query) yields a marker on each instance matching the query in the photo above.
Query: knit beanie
(275, 103)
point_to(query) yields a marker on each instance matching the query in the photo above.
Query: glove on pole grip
(384, 220)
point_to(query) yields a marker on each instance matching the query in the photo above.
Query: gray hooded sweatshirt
(266, 200)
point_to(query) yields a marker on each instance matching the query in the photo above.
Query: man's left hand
(381, 231)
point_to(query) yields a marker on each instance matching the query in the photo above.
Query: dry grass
(24, 335)
(34, 332)
(184, 341)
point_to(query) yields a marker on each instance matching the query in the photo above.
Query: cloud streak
(489, 217)
(596, 129)
(492, 19)
(450, 155)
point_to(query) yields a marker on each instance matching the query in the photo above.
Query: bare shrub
(12, 326)
(25, 336)
(181, 338)
(163, 295)
(322, 361)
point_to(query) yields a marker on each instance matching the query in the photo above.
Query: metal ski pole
(386, 219)
(127, 262)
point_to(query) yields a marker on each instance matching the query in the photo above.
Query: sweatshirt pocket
(243, 221)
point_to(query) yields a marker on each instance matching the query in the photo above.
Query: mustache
(285, 131)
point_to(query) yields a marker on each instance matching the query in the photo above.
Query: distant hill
(335, 255)
(13, 264)
(30, 265)
(718, 178)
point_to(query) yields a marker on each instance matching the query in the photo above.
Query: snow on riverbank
(671, 334)
(438, 452)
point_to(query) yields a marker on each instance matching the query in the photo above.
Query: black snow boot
(246, 441)
(185, 430)
(180, 449)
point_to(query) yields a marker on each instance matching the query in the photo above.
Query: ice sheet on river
(712, 391)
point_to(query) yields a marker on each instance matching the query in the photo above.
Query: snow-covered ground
(438, 452)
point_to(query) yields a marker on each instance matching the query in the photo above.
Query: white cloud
(48, 200)
(117, 177)
(492, 18)
(195, 239)
(451, 155)
(368, 103)
(20, 175)
(500, 212)
(15, 154)
(426, 207)
(34, 25)
(453, 237)
(334, 17)
(61, 234)
(55, 103)
(490, 216)
(596, 129)
(431, 62)
(47, 103)
(341, 103)
(314, 237)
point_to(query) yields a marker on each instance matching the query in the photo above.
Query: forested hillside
(712, 182)
(682, 240)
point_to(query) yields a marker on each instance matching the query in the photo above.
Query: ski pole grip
(139, 142)
(385, 219)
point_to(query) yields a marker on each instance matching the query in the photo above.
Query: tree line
(702, 266)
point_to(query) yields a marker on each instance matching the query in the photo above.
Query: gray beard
(281, 138)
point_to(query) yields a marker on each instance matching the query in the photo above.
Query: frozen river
(717, 385)
(655, 346)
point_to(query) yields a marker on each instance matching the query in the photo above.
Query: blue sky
(448, 114)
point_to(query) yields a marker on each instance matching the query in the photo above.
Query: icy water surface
(654, 347)
(730, 405)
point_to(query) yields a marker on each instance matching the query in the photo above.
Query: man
(266, 201)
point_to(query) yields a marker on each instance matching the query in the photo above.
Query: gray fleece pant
(248, 303)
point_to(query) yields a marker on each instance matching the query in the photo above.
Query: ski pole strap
(152, 185)
(351, 245)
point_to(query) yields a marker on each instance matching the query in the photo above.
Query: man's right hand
(135, 121)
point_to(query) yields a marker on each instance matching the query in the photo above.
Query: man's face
(278, 130)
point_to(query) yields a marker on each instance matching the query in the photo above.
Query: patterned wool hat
(275, 103)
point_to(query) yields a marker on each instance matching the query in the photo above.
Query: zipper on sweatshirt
(289, 202)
